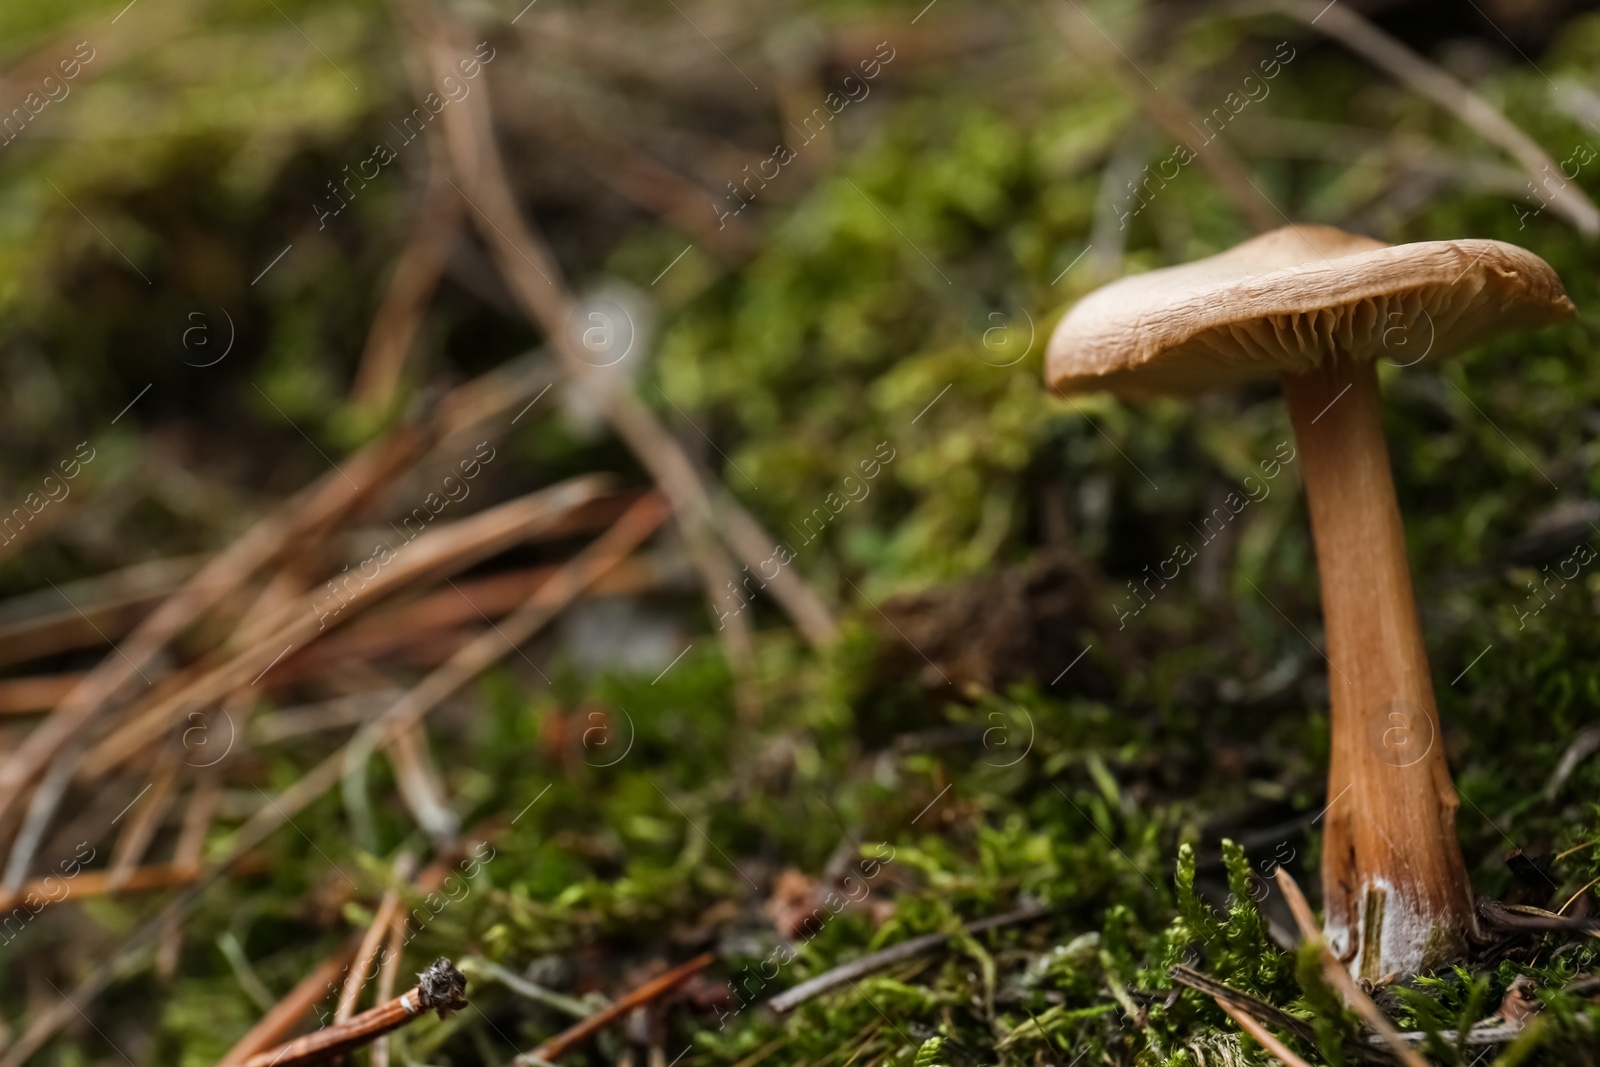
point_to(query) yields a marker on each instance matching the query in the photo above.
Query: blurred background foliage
(902, 274)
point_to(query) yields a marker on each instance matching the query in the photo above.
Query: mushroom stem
(1395, 893)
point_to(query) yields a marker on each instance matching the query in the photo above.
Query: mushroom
(1316, 307)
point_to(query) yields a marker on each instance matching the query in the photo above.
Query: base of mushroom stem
(1395, 934)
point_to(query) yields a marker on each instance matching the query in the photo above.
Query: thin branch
(1340, 978)
(1262, 1035)
(1224, 993)
(790, 999)
(285, 1015)
(534, 276)
(440, 988)
(656, 987)
(1348, 26)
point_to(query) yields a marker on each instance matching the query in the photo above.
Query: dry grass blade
(1340, 978)
(386, 977)
(187, 854)
(637, 176)
(582, 571)
(424, 620)
(421, 787)
(107, 607)
(656, 987)
(98, 883)
(636, 525)
(1262, 1035)
(1354, 31)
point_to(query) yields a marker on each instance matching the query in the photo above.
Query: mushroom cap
(1288, 301)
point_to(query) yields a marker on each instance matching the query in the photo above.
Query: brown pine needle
(1262, 1035)
(556, 1046)
(288, 1012)
(1340, 978)
(440, 988)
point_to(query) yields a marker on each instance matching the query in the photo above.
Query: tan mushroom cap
(1290, 300)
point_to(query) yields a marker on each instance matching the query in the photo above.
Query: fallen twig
(790, 999)
(1223, 993)
(535, 278)
(1262, 1035)
(555, 1046)
(285, 1015)
(440, 988)
(1523, 919)
(1348, 26)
